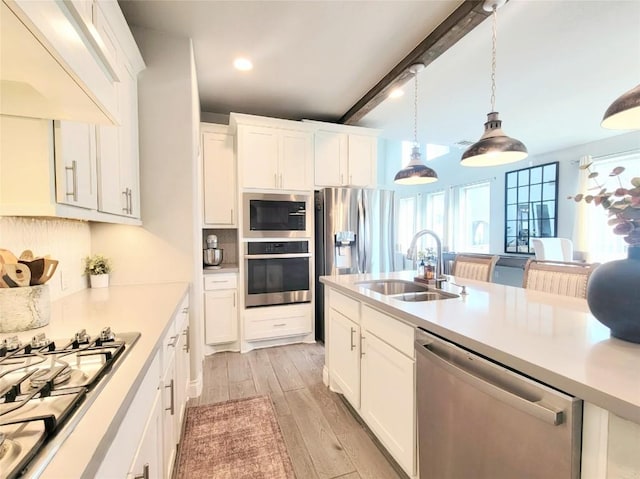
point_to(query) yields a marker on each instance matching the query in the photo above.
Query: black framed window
(531, 206)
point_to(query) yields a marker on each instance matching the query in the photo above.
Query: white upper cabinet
(52, 63)
(85, 79)
(218, 176)
(345, 155)
(75, 159)
(273, 154)
(118, 158)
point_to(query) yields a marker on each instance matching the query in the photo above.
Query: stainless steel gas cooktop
(45, 387)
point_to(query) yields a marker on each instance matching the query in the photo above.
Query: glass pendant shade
(494, 147)
(624, 113)
(416, 172)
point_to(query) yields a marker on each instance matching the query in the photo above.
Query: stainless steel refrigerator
(353, 234)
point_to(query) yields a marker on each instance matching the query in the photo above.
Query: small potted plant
(98, 268)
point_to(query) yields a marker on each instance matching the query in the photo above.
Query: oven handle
(274, 256)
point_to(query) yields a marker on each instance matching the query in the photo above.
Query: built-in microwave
(272, 215)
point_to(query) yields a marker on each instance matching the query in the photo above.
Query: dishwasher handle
(532, 408)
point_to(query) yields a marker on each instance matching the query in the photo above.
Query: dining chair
(478, 267)
(554, 249)
(558, 277)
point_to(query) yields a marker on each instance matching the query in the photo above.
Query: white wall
(450, 173)
(162, 250)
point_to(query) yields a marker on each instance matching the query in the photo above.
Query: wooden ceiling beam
(464, 19)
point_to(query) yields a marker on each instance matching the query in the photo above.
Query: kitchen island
(552, 339)
(147, 309)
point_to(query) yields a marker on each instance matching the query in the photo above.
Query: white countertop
(147, 309)
(224, 268)
(551, 338)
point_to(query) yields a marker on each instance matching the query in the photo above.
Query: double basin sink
(406, 290)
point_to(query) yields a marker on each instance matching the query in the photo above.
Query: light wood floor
(323, 438)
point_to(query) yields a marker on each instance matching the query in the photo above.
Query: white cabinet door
(331, 158)
(221, 316)
(363, 157)
(147, 461)
(129, 153)
(219, 179)
(388, 404)
(295, 165)
(182, 368)
(169, 433)
(118, 159)
(344, 356)
(258, 149)
(75, 160)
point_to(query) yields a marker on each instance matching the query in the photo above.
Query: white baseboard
(325, 375)
(195, 386)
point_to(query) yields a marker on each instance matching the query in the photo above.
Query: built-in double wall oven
(277, 272)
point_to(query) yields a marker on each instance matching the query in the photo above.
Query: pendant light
(416, 172)
(494, 147)
(624, 113)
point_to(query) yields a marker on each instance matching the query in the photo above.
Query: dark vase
(613, 295)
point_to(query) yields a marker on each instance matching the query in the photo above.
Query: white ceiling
(560, 63)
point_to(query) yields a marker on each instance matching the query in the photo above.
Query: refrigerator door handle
(362, 237)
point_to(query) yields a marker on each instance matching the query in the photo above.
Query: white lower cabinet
(387, 405)
(170, 438)
(272, 322)
(371, 362)
(344, 356)
(145, 445)
(221, 308)
(147, 461)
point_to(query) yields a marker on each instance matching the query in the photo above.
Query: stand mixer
(212, 255)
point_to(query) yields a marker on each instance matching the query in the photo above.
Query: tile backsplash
(68, 241)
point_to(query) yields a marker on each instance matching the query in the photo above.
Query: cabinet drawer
(220, 281)
(390, 330)
(256, 328)
(345, 305)
(169, 344)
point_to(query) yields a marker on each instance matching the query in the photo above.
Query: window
(471, 224)
(602, 245)
(435, 213)
(406, 223)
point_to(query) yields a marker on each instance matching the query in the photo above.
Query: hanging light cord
(415, 109)
(493, 58)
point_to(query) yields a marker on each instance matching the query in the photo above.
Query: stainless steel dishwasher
(478, 419)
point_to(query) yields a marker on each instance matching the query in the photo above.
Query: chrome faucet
(411, 252)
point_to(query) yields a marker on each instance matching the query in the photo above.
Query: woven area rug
(233, 439)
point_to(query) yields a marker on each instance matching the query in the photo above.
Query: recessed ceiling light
(242, 64)
(396, 93)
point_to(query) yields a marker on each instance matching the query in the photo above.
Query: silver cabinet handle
(523, 404)
(172, 342)
(145, 472)
(353, 344)
(126, 200)
(129, 195)
(281, 184)
(279, 325)
(231, 215)
(275, 179)
(185, 310)
(187, 346)
(172, 403)
(74, 180)
(362, 353)
(234, 299)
